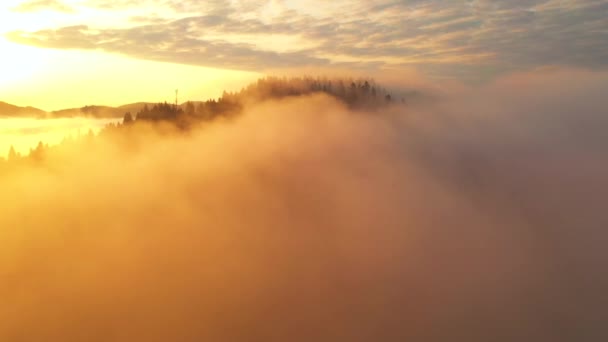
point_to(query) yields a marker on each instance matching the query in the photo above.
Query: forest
(362, 94)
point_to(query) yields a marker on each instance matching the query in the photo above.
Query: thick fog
(480, 217)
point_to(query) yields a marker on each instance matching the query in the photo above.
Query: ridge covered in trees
(360, 94)
(357, 93)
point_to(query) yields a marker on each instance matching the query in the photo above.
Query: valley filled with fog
(25, 133)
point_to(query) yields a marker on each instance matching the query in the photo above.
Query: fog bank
(477, 218)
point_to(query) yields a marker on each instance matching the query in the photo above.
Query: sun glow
(20, 63)
(53, 79)
(31, 76)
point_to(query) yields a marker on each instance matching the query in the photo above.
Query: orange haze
(481, 217)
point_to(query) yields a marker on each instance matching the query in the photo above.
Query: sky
(62, 53)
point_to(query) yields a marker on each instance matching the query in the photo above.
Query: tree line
(357, 94)
(362, 94)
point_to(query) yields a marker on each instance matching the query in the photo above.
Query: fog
(25, 133)
(478, 218)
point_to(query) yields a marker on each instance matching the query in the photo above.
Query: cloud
(167, 43)
(477, 218)
(478, 40)
(39, 5)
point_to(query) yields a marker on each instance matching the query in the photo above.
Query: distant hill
(100, 112)
(8, 110)
(133, 107)
(357, 94)
(12, 111)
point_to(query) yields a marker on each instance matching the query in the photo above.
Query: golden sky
(66, 53)
(56, 79)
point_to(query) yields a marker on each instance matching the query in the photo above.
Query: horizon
(182, 102)
(70, 53)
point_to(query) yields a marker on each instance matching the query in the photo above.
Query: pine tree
(12, 155)
(128, 119)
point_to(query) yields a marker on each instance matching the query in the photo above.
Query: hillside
(9, 110)
(100, 112)
(360, 94)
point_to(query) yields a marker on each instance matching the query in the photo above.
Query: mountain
(88, 111)
(360, 94)
(9, 110)
(100, 112)
(134, 107)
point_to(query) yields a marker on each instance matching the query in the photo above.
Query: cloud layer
(470, 40)
(480, 218)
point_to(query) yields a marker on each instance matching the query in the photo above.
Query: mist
(478, 217)
(24, 134)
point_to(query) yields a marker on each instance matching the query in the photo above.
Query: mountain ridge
(11, 110)
(8, 110)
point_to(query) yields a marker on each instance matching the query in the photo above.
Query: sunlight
(20, 63)
(31, 75)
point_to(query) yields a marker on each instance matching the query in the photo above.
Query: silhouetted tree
(128, 119)
(159, 112)
(37, 153)
(366, 87)
(12, 154)
(190, 110)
